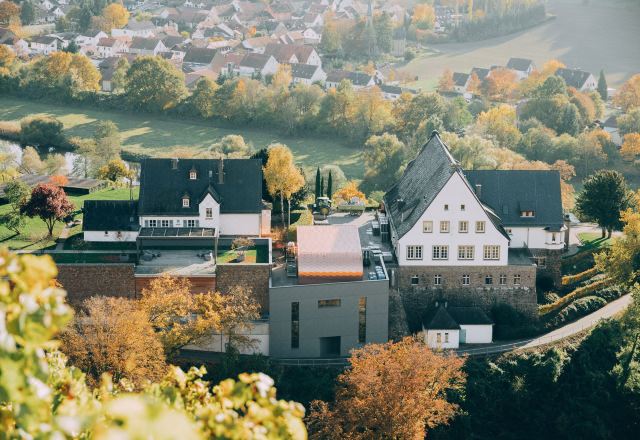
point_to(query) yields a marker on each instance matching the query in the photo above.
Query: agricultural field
(159, 136)
(586, 34)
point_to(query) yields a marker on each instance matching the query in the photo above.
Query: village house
(251, 65)
(135, 28)
(110, 47)
(521, 66)
(45, 44)
(146, 46)
(460, 82)
(446, 327)
(578, 79)
(90, 39)
(359, 80)
(307, 74)
(198, 57)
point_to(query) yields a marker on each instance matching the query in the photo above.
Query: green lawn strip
(160, 136)
(593, 240)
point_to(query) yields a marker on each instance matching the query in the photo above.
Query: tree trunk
(282, 209)
(604, 232)
(609, 232)
(288, 212)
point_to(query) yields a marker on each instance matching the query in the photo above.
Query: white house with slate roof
(578, 79)
(224, 195)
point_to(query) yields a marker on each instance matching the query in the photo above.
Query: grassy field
(34, 235)
(590, 35)
(164, 137)
(593, 240)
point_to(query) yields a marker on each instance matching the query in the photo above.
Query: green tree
(84, 18)
(119, 78)
(553, 85)
(16, 193)
(330, 185)
(603, 197)
(629, 122)
(72, 47)
(107, 143)
(233, 146)
(50, 203)
(383, 26)
(318, 186)
(154, 84)
(383, 162)
(603, 88)
(27, 13)
(41, 130)
(202, 97)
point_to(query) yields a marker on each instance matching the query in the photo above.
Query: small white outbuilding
(448, 327)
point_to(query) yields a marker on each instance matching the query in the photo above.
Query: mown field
(34, 233)
(587, 34)
(164, 137)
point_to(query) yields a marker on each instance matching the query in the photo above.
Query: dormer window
(193, 175)
(185, 202)
(527, 213)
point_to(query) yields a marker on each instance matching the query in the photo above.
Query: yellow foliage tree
(347, 192)
(114, 16)
(424, 16)
(7, 57)
(282, 78)
(501, 84)
(628, 96)
(631, 146)
(499, 123)
(445, 83)
(474, 84)
(282, 176)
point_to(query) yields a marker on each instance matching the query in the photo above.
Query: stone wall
(418, 298)
(82, 281)
(203, 284)
(553, 266)
(252, 276)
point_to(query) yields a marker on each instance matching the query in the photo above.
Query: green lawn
(34, 234)
(593, 240)
(257, 254)
(164, 137)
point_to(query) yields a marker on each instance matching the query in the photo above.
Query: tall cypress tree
(322, 187)
(329, 185)
(602, 86)
(318, 188)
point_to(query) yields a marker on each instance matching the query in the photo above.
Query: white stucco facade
(240, 224)
(441, 339)
(476, 334)
(535, 238)
(455, 204)
(110, 236)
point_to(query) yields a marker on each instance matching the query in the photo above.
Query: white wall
(431, 338)
(209, 202)
(111, 236)
(240, 224)
(455, 193)
(535, 238)
(258, 333)
(476, 334)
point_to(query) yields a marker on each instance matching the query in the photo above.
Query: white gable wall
(535, 238)
(476, 334)
(240, 224)
(214, 220)
(431, 338)
(455, 193)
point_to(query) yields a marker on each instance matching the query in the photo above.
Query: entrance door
(330, 346)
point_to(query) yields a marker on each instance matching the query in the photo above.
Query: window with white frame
(185, 202)
(480, 227)
(415, 280)
(193, 175)
(553, 237)
(527, 213)
(446, 337)
(440, 252)
(106, 233)
(491, 252)
(414, 252)
(150, 223)
(427, 226)
(437, 280)
(488, 279)
(439, 338)
(466, 279)
(444, 226)
(446, 207)
(462, 207)
(208, 213)
(463, 227)
(465, 252)
(166, 223)
(191, 223)
(503, 279)
(540, 261)
(517, 279)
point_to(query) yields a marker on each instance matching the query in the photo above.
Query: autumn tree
(383, 158)
(474, 85)
(331, 41)
(155, 84)
(9, 13)
(628, 96)
(603, 197)
(202, 97)
(59, 180)
(423, 16)
(114, 171)
(181, 317)
(348, 192)
(282, 78)
(114, 16)
(631, 146)
(397, 390)
(114, 336)
(7, 57)
(50, 203)
(621, 262)
(445, 83)
(500, 84)
(282, 176)
(232, 146)
(31, 162)
(119, 78)
(499, 124)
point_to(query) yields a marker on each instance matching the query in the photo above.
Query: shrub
(579, 308)
(578, 293)
(409, 55)
(582, 276)
(511, 324)
(578, 263)
(305, 219)
(10, 130)
(41, 130)
(547, 297)
(610, 293)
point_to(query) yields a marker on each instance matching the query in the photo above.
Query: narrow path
(64, 234)
(586, 322)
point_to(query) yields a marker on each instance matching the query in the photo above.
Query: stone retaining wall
(82, 281)
(255, 277)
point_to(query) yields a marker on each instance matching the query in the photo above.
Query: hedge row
(577, 309)
(305, 219)
(584, 275)
(577, 293)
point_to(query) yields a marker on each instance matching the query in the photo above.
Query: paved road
(608, 311)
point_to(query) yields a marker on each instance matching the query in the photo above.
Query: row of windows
(465, 252)
(169, 223)
(466, 280)
(445, 227)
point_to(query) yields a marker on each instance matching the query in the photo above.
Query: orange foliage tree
(396, 390)
(474, 84)
(500, 84)
(446, 81)
(628, 96)
(59, 180)
(348, 191)
(630, 146)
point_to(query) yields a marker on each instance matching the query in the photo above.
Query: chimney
(174, 164)
(221, 171)
(436, 304)
(446, 303)
(478, 190)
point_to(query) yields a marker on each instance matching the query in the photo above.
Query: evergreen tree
(27, 13)
(322, 187)
(330, 185)
(84, 19)
(602, 86)
(318, 191)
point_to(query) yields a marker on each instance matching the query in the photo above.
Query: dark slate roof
(439, 319)
(144, 43)
(421, 182)
(519, 64)
(303, 70)
(393, 90)
(255, 60)
(573, 77)
(469, 316)
(162, 187)
(171, 41)
(199, 55)
(356, 78)
(110, 215)
(480, 72)
(460, 79)
(508, 192)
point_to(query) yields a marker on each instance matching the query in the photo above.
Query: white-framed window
(517, 279)
(465, 252)
(166, 223)
(540, 261)
(150, 223)
(415, 280)
(463, 227)
(440, 252)
(463, 207)
(191, 223)
(509, 231)
(446, 337)
(106, 233)
(439, 338)
(527, 213)
(444, 226)
(427, 226)
(491, 252)
(446, 207)
(185, 202)
(208, 213)
(193, 175)
(488, 279)
(414, 252)
(437, 280)
(466, 279)
(503, 280)
(480, 227)
(553, 237)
